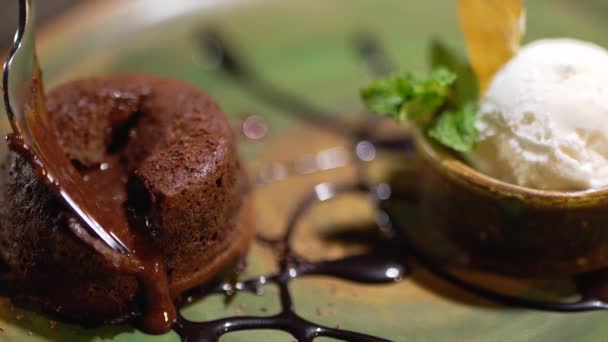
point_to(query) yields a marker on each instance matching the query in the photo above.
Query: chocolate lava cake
(159, 150)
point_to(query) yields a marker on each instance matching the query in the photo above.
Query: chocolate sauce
(97, 195)
(374, 267)
(108, 182)
(105, 189)
(217, 49)
(373, 56)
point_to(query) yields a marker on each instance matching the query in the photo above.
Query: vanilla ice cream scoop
(543, 122)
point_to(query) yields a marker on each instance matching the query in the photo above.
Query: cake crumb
(29, 332)
(263, 309)
(242, 306)
(238, 312)
(331, 302)
(19, 317)
(338, 326)
(1, 329)
(52, 323)
(319, 311)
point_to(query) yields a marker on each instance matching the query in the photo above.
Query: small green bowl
(509, 229)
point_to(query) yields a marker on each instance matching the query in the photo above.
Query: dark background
(9, 13)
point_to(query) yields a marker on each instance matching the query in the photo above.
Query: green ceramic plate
(305, 47)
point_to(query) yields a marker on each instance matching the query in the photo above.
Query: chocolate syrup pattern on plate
(371, 268)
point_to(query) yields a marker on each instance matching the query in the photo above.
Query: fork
(25, 108)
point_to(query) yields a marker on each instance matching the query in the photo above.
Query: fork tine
(24, 101)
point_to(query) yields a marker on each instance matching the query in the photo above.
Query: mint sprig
(405, 96)
(450, 86)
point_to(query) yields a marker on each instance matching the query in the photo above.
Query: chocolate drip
(102, 200)
(108, 184)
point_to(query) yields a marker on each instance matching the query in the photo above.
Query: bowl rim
(456, 169)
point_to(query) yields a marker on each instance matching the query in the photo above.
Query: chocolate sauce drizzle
(218, 50)
(370, 268)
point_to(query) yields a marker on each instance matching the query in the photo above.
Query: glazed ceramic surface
(307, 48)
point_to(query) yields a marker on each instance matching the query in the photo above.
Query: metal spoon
(25, 107)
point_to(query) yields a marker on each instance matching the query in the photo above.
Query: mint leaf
(387, 95)
(456, 129)
(465, 88)
(430, 94)
(405, 96)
